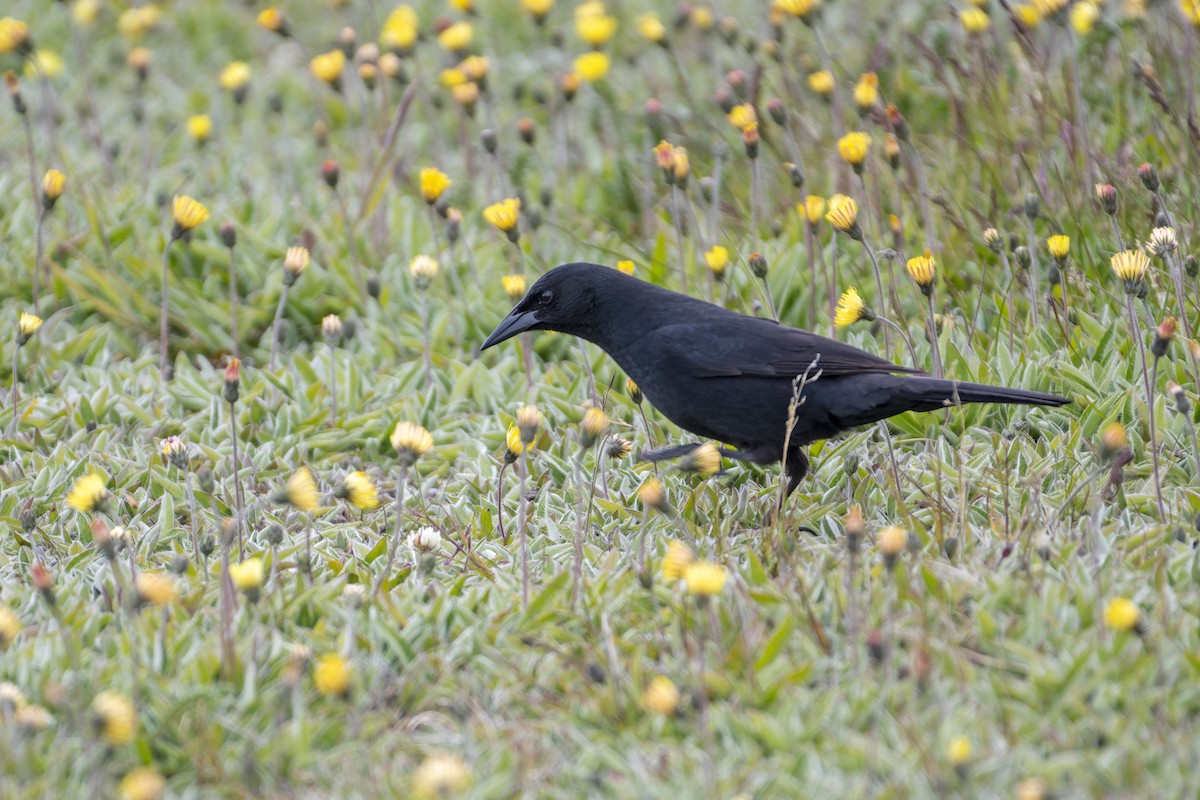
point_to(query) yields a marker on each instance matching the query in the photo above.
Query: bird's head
(565, 299)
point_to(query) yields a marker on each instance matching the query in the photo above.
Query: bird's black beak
(516, 322)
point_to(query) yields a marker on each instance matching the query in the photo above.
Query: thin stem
(424, 303)
(677, 220)
(933, 339)
(394, 540)
(37, 258)
(233, 304)
(277, 325)
(1035, 281)
(358, 277)
(1008, 294)
(1117, 230)
(12, 425)
(580, 522)
(522, 531)
(237, 483)
(191, 497)
(1133, 331)
(332, 385)
(754, 180)
(912, 353)
(887, 339)
(164, 311)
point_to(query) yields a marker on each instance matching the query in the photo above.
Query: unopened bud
(1032, 205)
(233, 380)
(1162, 337)
(228, 234)
(777, 111)
(1149, 176)
(1022, 256)
(488, 138)
(758, 265)
(330, 173)
(526, 130)
(795, 175)
(1106, 193)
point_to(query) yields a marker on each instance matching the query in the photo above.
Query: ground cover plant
(271, 525)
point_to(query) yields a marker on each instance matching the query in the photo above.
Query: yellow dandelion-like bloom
(142, 783)
(1122, 614)
(1059, 246)
(850, 309)
(821, 82)
(199, 127)
(332, 675)
(474, 67)
(594, 26)
(187, 213)
(812, 209)
(1027, 15)
(678, 558)
(974, 20)
(155, 588)
(456, 37)
(594, 423)
(328, 66)
(704, 460)
(853, 148)
(651, 494)
(592, 66)
(661, 696)
(248, 575)
(705, 579)
(137, 21)
(1083, 17)
(85, 12)
(514, 286)
(115, 717)
(300, 491)
(10, 626)
(89, 494)
(651, 28)
(529, 420)
(513, 442)
(400, 29)
(717, 259)
(892, 540)
(1190, 8)
(504, 215)
(45, 63)
(538, 8)
(959, 750)
(743, 117)
(295, 261)
(423, 269)
(234, 76)
(843, 215)
(411, 441)
(626, 266)
(440, 776)
(54, 183)
(801, 9)
(1130, 266)
(923, 270)
(866, 91)
(1048, 8)
(466, 94)
(27, 325)
(359, 489)
(272, 19)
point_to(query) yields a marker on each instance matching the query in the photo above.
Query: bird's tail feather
(929, 394)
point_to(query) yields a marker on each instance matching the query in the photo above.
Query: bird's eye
(546, 297)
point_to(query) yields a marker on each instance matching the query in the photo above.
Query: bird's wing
(761, 348)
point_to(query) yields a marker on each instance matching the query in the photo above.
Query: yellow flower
(974, 20)
(513, 442)
(651, 28)
(1031, 789)
(466, 94)
(595, 28)
(400, 29)
(892, 540)
(440, 777)
(142, 783)
(595, 422)
(717, 259)
(456, 37)
(328, 66)
(529, 420)
(358, 488)
(465, 6)
(743, 117)
(626, 266)
(411, 441)
(661, 696)
(1083, 17)
(300, 491)
(1027, 15)
(1122, 614)
(114, 717)
(801, 9)
(88, 494)
(155, 588)
(474, 67)
(1048, 8)
(423, 269)
(1059, 246)
(1130, 266)
(1190, 9)
(84, 12)
(853, 148)
(332, 675)
(678, 558)
(514, 286)
(592, 66)
(27, 325)
(272, 19)
(681, 166)
(959, 750)
(248, 575)
(812, 209)
(538, 8)
(704, 578)
(234, 76)
(44, 62)
(53, 185)
(10, 626)
(652, 495)
(504, 215)
(704, 460)
(821, 82)
(866, 91)
(135, 22)
(188, 213)
(843, 215)
(923, 270)
(199, 127)
(850, 309)
(295, 261)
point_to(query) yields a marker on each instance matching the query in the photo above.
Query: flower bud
(1162, 337)
(330, 173)
(1106, 193)
(233, 380)
(228, 234)
(1149, 176)
(758, 265)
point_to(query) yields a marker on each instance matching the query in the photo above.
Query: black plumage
(729, 377)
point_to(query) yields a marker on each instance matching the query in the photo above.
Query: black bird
(729, 377)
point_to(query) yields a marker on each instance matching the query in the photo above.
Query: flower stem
(332, 386)
(933, 339)
(887, 339)
(37, 258)
(1133, 331)
(522, 532)
(163, 312)
(394, 540)
(276, 325)
(233, 304)
(12, 424)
